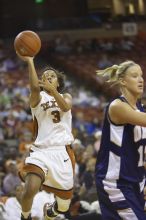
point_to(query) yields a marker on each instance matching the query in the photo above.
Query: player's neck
(131, 101)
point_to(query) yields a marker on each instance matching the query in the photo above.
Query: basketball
(27, 43)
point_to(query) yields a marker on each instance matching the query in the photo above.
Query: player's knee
(31, 187)
(62, 204)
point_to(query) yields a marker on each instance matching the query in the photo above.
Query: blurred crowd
(82, 57)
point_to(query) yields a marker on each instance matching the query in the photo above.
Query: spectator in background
(12, 205)
(97, 136)
(81, 210)
(11, 180)
(88, 189)
(104, 62)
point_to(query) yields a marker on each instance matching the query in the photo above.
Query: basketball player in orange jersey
(51, 161)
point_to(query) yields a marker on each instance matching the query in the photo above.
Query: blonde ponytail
(115, 72)
(109, 72)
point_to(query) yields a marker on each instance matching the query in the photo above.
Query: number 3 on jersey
(56, 116)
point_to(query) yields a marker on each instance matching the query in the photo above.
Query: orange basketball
(27, 43)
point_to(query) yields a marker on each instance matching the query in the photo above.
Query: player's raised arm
(27, 44)
(122, 113)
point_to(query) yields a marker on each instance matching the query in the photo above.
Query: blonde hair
(115, 72)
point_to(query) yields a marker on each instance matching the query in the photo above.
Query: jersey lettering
(139, 133)
(49, 104)
(141, 159)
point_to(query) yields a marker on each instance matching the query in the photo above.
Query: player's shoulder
(117, 105)
(116, 102)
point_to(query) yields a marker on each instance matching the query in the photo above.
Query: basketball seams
(27, 43)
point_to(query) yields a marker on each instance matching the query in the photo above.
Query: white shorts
(55, 166)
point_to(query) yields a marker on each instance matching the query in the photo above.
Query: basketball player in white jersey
(51, 161)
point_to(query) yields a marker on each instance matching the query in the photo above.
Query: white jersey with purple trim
(54, 127)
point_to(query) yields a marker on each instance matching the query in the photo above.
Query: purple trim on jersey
(134, 200)
(108, 209)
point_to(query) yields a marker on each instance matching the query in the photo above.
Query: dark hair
(60, 77)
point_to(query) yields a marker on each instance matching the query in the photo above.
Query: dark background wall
(18, 15)
(21, 14)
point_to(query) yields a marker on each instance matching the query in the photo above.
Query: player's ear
(122, 82)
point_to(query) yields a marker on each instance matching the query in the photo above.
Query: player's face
(133, 80)
(51, 76)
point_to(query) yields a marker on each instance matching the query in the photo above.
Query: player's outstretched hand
(24, 58)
